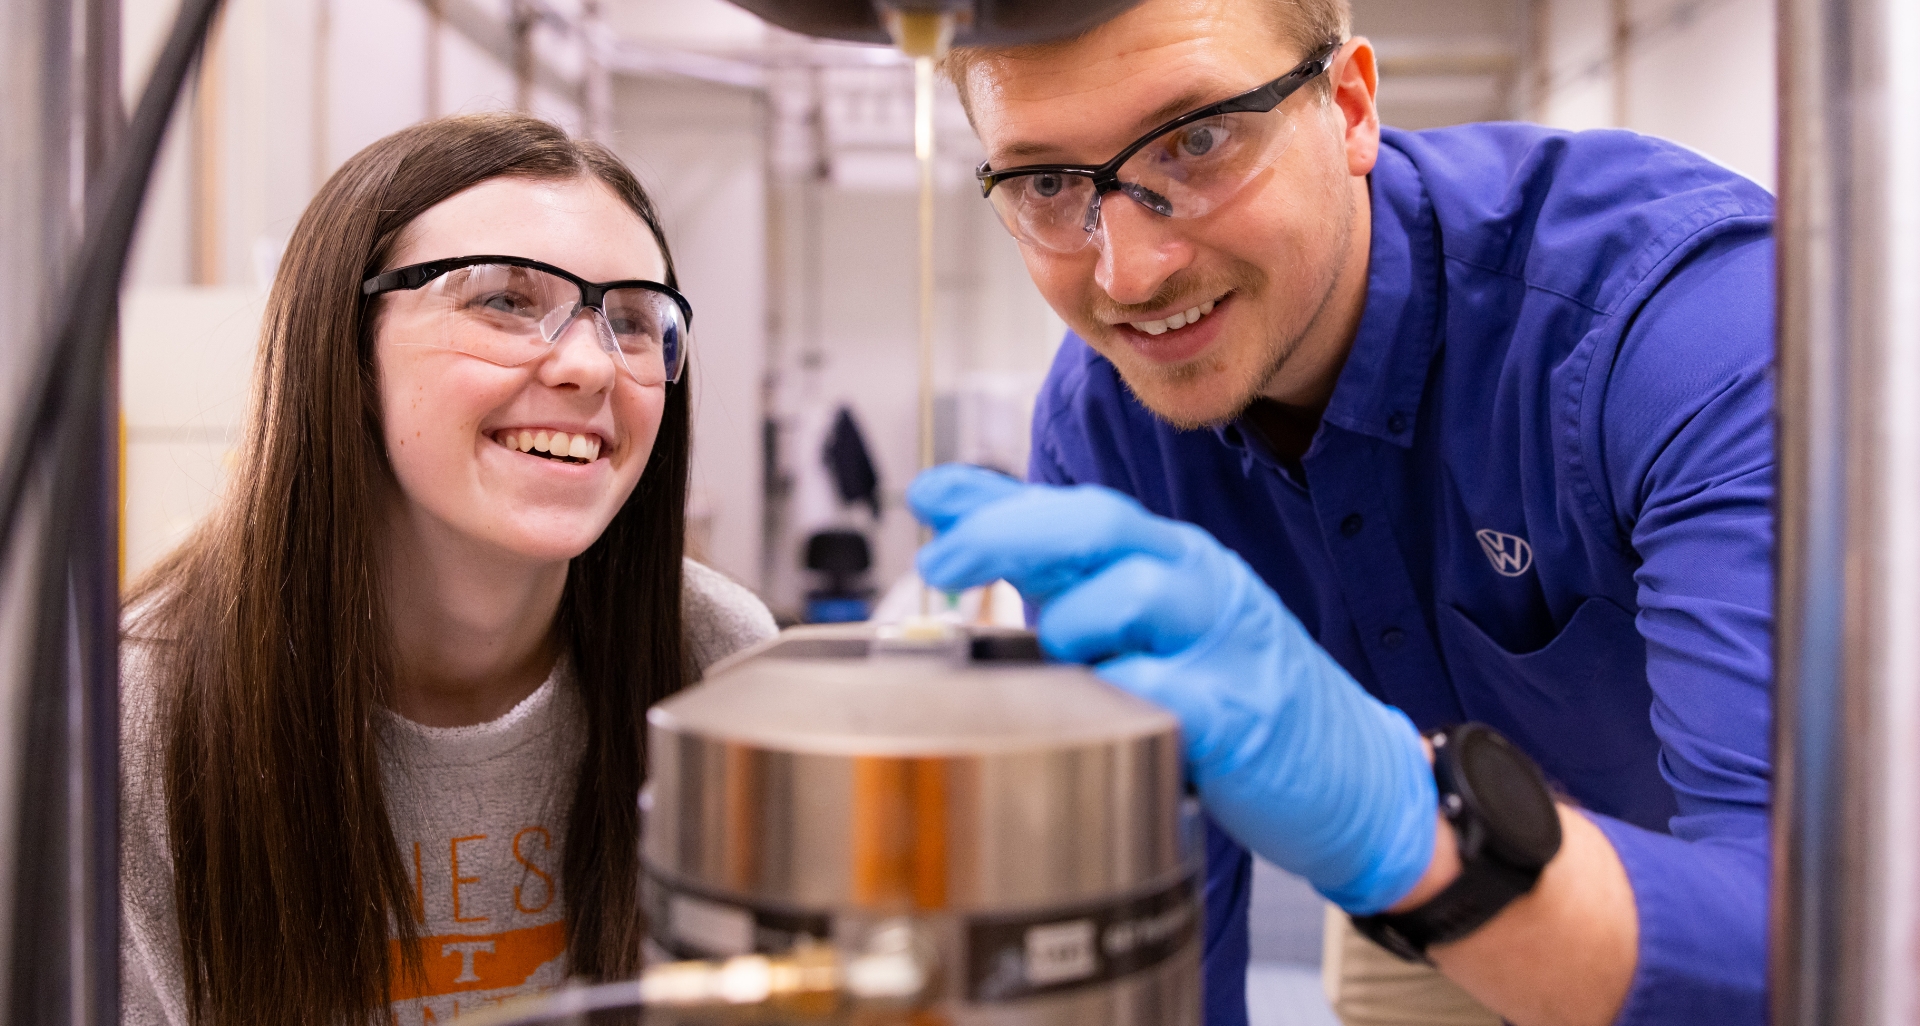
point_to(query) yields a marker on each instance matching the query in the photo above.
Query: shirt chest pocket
(1579, 705)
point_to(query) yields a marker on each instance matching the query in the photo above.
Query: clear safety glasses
(1187, 167)
(511, 310)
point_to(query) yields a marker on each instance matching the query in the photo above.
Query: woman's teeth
(1179, 320)
(552, 444)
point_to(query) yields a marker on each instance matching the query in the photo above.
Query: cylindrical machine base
(1025, 822)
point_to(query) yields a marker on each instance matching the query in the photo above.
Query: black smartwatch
(1508, 828)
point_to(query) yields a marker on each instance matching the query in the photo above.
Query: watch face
(1510, 796)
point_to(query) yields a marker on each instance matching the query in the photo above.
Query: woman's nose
(581, 355)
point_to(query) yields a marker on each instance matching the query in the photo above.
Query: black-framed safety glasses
(1186, 167)
(510, 311)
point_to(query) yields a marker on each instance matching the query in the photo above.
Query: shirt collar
(1379, 388)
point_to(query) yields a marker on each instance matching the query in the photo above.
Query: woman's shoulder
(719, 616)
(146, 648)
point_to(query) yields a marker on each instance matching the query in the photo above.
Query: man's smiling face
(1257, 296)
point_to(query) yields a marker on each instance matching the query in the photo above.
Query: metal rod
(923, 152)
(924, 35)
(1845, 930)
(62, 912)
(521, 20)
(430, 64)
(1539, 60)
(319, 128)
(1620, 61)
(208, 256)
(99, 561)
(36, 141)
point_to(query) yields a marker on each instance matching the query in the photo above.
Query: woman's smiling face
(453, 422)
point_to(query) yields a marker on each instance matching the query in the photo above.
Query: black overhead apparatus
(979, 22)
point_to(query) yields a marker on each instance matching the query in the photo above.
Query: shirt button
(1393, 637)
(1351, 525)
(1397, 423)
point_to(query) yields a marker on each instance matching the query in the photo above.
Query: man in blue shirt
(1477, 425)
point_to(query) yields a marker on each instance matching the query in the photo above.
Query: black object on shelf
(843, 558)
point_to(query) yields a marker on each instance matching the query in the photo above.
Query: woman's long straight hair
(274, 657)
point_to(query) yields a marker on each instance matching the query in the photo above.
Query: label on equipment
(690, 924)
(1015, 957)
(1008, 957)
(1060, 953)
(710, 926)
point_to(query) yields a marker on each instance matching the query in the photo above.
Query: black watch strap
(1504, 821)
(1479, 893)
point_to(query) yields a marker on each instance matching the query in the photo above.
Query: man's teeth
(1179, 320)
(556, 443)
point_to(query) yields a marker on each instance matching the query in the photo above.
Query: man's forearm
(1560, 955)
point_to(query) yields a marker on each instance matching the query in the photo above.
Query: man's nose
(1139, 250)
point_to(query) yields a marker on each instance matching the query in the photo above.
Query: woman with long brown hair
(384, 712)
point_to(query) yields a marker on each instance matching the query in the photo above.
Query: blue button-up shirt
(1539, 499)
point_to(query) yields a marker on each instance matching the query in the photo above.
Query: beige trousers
(1369, 987)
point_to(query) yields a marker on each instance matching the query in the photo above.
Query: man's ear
(1356, 82)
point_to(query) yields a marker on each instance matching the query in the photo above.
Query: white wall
(1700, 72)
(1703, 75)
(700, 151)
(186, 354)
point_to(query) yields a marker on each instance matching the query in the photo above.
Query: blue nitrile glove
(1291, 756)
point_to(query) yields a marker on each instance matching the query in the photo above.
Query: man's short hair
(1300, 25)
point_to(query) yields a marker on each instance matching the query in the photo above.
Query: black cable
(73, 665)
(66, 378)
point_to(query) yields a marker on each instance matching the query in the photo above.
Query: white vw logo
(1509, 554)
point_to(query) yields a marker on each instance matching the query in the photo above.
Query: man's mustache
(1174, 295)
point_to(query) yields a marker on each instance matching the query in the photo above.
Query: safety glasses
(1187, 167)
(511, 311)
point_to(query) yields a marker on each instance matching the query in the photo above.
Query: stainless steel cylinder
(1027, 819)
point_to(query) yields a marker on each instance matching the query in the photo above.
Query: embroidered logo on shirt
(1509, 554)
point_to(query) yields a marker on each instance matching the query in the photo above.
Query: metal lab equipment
(977, 22)
(1023, 823)
(1846, 864)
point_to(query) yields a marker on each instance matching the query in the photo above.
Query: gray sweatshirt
(480, 815)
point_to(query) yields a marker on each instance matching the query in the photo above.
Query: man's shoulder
(1586, 215)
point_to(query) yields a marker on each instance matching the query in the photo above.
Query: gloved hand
(1291, 756)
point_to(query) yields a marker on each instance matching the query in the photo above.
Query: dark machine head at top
(977, 22)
